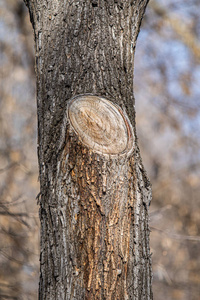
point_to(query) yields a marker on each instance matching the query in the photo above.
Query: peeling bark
(94, 190)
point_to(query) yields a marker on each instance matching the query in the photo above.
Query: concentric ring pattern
(99, 124)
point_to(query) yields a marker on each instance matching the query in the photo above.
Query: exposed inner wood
(97, 212)
(100, 124)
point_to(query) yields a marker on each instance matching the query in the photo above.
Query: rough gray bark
(93, 207)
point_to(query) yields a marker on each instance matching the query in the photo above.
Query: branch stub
(100, 124)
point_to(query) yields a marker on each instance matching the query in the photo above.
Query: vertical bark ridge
(100, 227)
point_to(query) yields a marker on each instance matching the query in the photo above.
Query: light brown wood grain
(100, 124)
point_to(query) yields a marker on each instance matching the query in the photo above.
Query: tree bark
(94, 190)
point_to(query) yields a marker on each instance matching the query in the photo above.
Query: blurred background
(167, 92)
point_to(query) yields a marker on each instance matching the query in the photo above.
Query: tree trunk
(94, 191)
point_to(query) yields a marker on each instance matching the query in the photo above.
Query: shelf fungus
(101, 125)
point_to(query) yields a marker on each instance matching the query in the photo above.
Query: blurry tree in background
(19, 231)
(167, 92)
